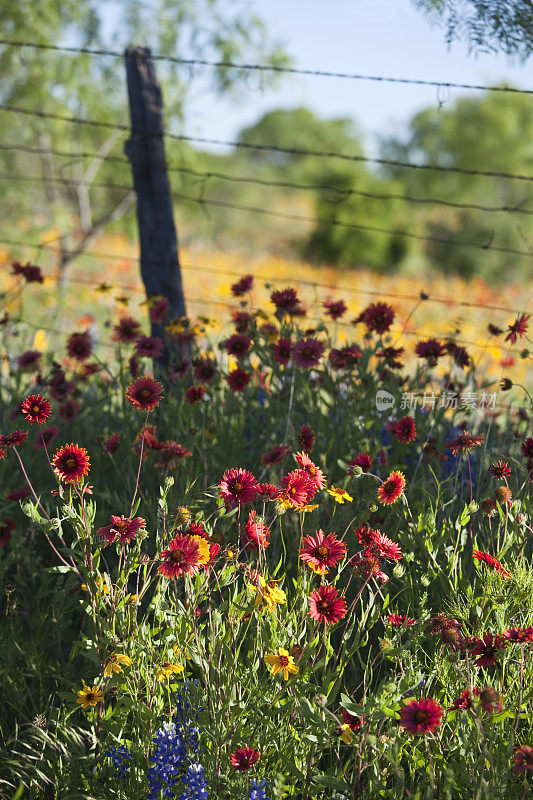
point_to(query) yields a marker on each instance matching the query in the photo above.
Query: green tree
(491, 25)
(489, 132)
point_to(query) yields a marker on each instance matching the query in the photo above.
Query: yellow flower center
(323, 551)
(284, 661)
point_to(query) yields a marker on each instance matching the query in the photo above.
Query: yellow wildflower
(346, 734)
(114, 663)
(90, 696)
(282, 662)
(340, 495)
(167, 669)
(269, 592)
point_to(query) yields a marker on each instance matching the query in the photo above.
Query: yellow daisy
(340, 495)
(269, 592)
(282, 662)
(167, 669)
(90, 696)
(346, 734)
(114, 663)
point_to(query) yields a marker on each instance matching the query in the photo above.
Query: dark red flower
(111, 444)
(363, 460)
(149, 346)
(255, 533)
(237, 345)
(398, 620)
(421, 716)
(385, 547)
(123, 528)
(70, 463)
(322, 551)
(30, 272)
(499, 470)
(326, 606)
(18, 494)
(367, 565)
(464, 442)
(205, 370)
(36, 408)
(13, 439)
(335, 308)
(404, 430)
(518, 328)
(242, 286)
(491, 562)
(237, 486)
(171, 454)
(307, 353)
(486, 649)
(463, 702)
(179, 369)
(144, 393)
(391, 489)
(352, 720)
(286, 301)
(391, 355)
(158, 310)
(519, 635)
(69, 410)
(523, 759)
(431, 350)
(306, 438)
(282, 350)
(267, 491)
(126, 330)
(527, 448)
(241, 320)
(48, 435)
(238, 379)
(377, 317)
(194, 394)
(276, 455)
(59, 386)
(7, 526)
(79, 346)
(28, 360)
(297, 488)
(365, 535)
(244, 759)
(182, 557)
(489, 700)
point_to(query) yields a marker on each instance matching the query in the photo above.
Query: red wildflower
(385, 547)
(519, 635)
(70, 463)
(377, 317)
(237, 486)
(149, 346)
(322, 551)
(171, 454)
(527, 448)
(367, 565)
(397, 620)
(144, 393)
(365, 535)
(197, 529)
(182, 557)
(431, 350)
(286, 301)
(391, 489)
(69, 410)
(404, 430)
(518, 328)
(111, 444)
(30, 272)
(238, 379)
(345, 358)
(316, 476)
(464, 443)
(244, 759)
(297, 488)
(335, 308)
(267, 491)
(28, 360)
(205, 370)
(255, 533)
(326, 606)
(391, 355)
(241, 320)
(463, 702)
(523, 759)
(122, 527)
(79, 346)
(282, 350)
(48, 435)
(499, 470)
(276, 455)
(486, 649)
(421, 716)
(18, 494)
(237, 345)
(307, 353)
(306, 438)
(363, 460)
(36, 408)
(491, 562)
(7, 526)
(179, 369)
(59, 386)
(13, 439)
(194, 394)
(126, 330)
(352, 720)
(242, 286)
(159, 310)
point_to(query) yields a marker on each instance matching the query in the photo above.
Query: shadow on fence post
(160, 266)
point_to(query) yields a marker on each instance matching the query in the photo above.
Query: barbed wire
(269, 68)
(264, 147)
(209, 174)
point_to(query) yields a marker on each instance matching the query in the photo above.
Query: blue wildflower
(195, 783)
(257, 792)
(173, 743)
(119, 756)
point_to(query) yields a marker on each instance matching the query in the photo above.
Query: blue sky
(385, 37)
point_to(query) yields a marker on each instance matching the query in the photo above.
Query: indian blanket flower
(326, 606)
(527, 448)
(90, 696)
(463, 702)
(499, 470)
(242, 286)
(167, 669)
(286, 301)
(13, 439)
(519, 635)
(421, 716)
(149, 346)
(70, 463)
(352, 720)
(398, 620)
(340, 495)
(464, 442)
(362, 460)
(322, 551)
(391, 489)
(297, 488)
(316, 476)
(28, 360)
(404, 430)
(431, 350)
(368, 565)
(79, 346)
(114, 663)
(126, 330)
(144, 393)
(282, 350)
(385, 547)
(238, 379)
(244, 759)
(282, 662)
(523, 759)
(503, 495)
(238, 486)
(255, 532)
(486, 649)
(241, 320)
(194, 394)
(335, 308)
(489, 700)
(36, 408)
(267, 491)
(123, 528)
(276, 455)
(237, 345)
(378, 317)
(517, 328)
(184, 556)
(491, 562)
(307, 353)
(306, 438)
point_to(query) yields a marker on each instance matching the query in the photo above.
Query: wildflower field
(294, 561)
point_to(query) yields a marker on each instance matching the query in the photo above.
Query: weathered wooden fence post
(160, 266)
